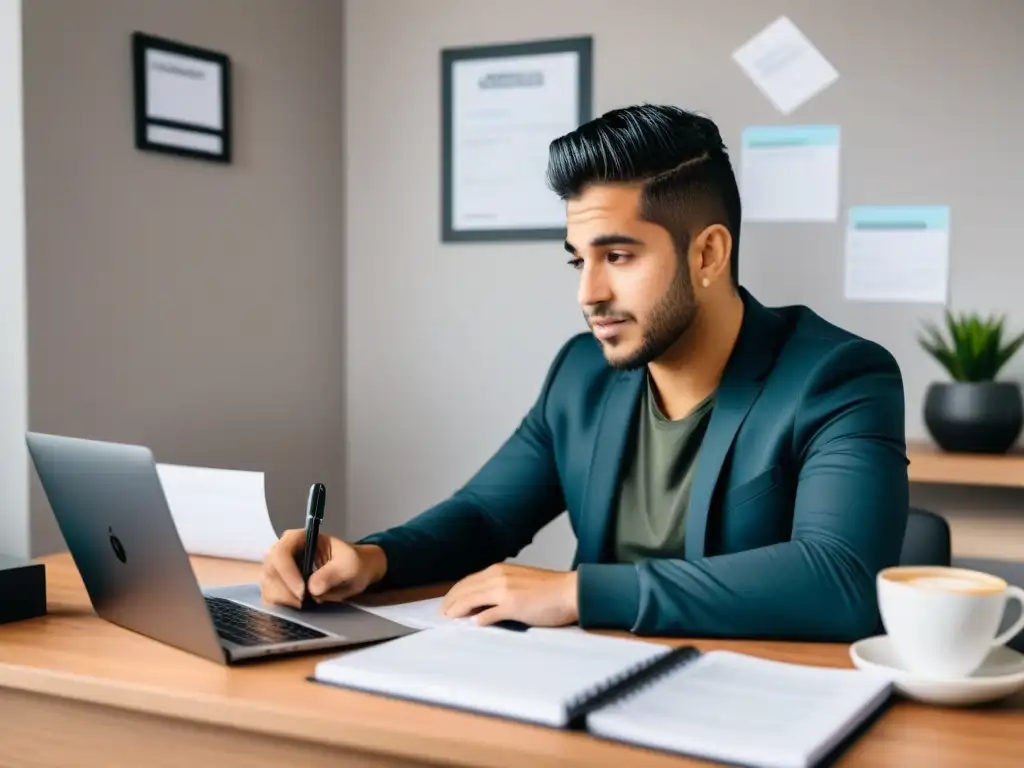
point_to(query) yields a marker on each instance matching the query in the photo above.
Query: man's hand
(534, 596)
(341, 570)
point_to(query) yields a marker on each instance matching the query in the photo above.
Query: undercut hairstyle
(678, 156)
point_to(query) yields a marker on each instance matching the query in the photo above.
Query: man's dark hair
(679, 156)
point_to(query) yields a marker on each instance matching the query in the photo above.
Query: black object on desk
(22, 589)
(314, 516)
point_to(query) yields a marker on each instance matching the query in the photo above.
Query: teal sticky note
(767, 136)
(897, 253)
(790, 173)
(899, 217)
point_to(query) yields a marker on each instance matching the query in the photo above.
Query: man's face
(636, 293)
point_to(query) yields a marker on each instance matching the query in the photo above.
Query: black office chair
(1013, 573)
(927, 539)
(927, 542)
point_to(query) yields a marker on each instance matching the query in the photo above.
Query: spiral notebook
(717, 705)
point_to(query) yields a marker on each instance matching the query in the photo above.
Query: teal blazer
(800, 495)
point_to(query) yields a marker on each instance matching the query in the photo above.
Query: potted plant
(973, 413)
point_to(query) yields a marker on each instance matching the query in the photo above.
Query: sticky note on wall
(785, 65)
(897, 253)
(790, 173)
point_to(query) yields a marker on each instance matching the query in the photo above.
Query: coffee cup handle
(1012, 593)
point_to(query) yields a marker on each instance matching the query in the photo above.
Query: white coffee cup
(943, 622)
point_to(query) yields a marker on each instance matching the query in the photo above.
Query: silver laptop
(111, 509)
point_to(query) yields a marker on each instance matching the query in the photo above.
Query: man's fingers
(293, 540)
(473, 583)
(456, 601)
(457, 590)
(492, 615)
(335, 574)
(338, 593)
(323, 550)
(274, 592)
(465, 604)
(280, 562)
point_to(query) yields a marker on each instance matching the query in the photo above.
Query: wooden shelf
(930, 464)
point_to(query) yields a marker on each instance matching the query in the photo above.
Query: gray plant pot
(974, 417)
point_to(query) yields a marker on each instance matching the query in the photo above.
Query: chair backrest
(927, 539)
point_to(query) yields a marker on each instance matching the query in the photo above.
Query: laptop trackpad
(337, 618)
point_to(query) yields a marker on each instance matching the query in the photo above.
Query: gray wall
(188, 306)
(447, 344)
(13, 363)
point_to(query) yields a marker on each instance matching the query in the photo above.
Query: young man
(729, 470)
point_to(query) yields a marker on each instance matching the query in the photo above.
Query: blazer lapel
(731, 407)
(741, 383)
(612, 436)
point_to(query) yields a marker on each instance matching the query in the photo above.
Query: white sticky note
(790, 173)
(897, 253)
(784, 65)
(218, 512)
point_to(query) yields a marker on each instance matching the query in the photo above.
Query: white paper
(419, 614)
(784, 65)
(219, 512)
(183, 89)
(790, 173)
(897, 253)
(530, 676)
(424, 614)
(788, 714)
(505, 113)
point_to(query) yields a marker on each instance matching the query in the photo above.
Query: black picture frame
(181, 138)
(583, 47)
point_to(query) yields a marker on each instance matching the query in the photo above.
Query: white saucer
(1000, 675)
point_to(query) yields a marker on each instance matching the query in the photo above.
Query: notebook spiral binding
(628, 682)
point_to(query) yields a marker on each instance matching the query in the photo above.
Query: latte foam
(948, 580)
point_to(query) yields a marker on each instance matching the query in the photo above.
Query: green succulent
(975, 349)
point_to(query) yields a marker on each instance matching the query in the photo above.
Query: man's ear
(710, 253)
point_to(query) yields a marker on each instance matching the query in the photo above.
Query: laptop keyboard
(243, 625)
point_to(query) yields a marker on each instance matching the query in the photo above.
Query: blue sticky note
(769, 136)
(900, 217)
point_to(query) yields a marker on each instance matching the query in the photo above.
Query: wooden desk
(77, 691)
(930, 464)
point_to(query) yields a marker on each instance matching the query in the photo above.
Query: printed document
(505, 113)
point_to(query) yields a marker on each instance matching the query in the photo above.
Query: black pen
(314, 515)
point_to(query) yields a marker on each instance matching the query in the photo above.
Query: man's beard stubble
(671, 317)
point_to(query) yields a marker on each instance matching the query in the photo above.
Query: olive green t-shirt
(655, 492)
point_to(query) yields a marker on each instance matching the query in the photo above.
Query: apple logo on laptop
(115, 543)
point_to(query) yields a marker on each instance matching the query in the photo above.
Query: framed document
(502, 106)
(182, 99)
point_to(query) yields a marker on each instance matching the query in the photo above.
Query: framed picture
(182, 99)
(502, 105)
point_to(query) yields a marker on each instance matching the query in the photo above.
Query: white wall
(447, 344)
(191, 307)
(14, 523)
